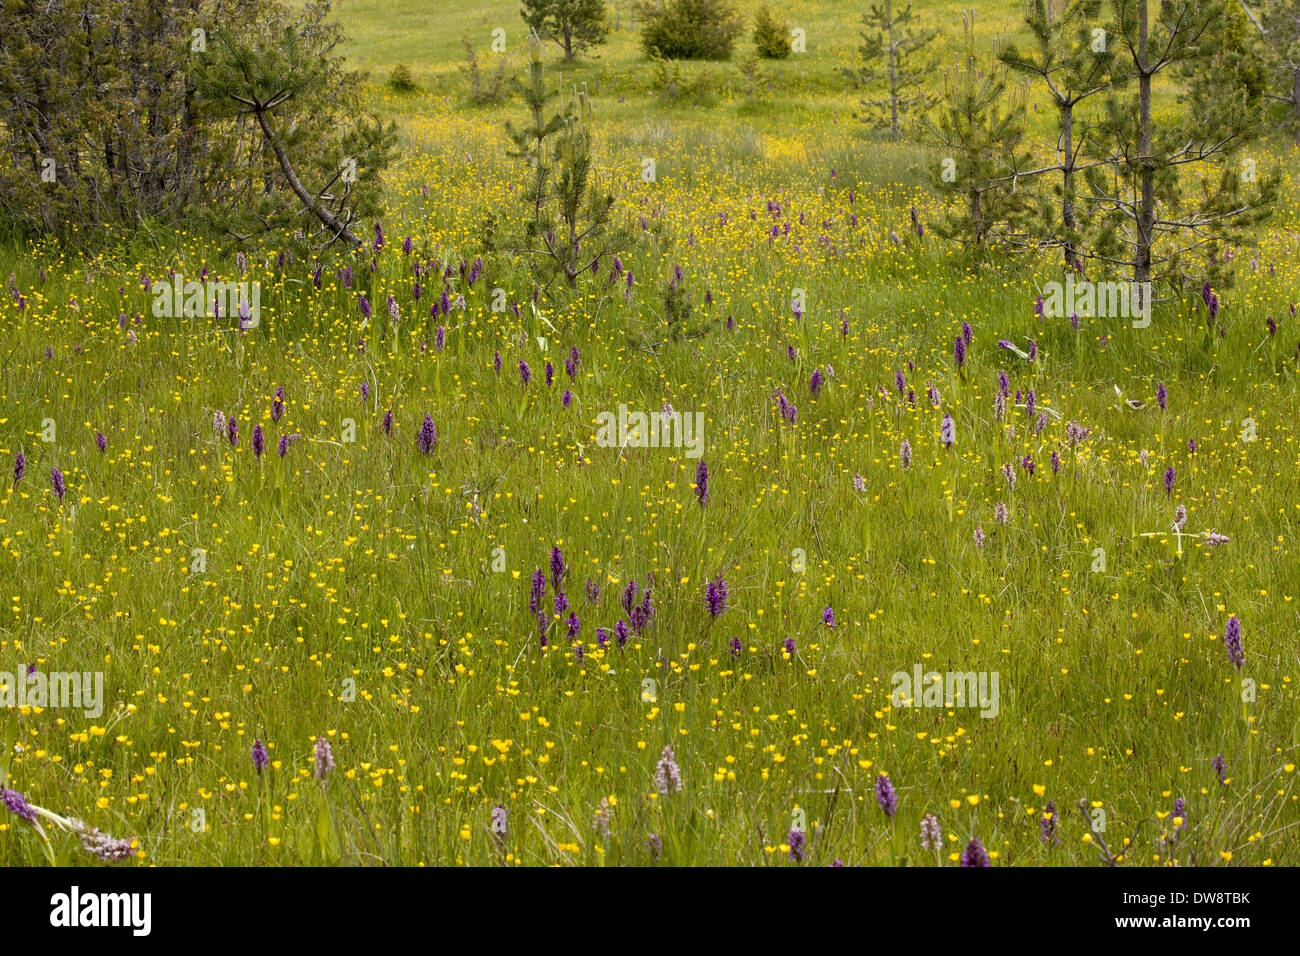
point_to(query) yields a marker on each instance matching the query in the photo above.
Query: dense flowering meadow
(367, 584)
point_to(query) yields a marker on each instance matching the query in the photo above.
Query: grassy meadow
(352, 584)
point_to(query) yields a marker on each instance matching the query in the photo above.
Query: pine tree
(1182, 184)
(1072, 61)
(891, 44)
(575, 25)
(771, 36)
(569, 229)
(979, 129)
(1279, 27)
(286, 78)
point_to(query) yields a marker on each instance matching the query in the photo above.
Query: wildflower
(885, 795)
(1000, 514)
(1047, 825)
(959, 352)
(795, 840)
(1162, 396)
(525, 373)
(1009, 474)
(668, 777)
(931, 836)
(642, 614)
(948, 431)
(702, 482)
(259, 441)
(427, 439)
(324, 758)
(975, 855)
(558, 567)
(100, 844)
(259, 756)
(56, 483)
(815, 383)
(859, 483)
(735, 646)
(1220, 767)
(620, 633)
(1055, 462)
(967, 333)
(828, 616)
(979, 536)
(715, 597)
(17, 804)
(561, 602)
(1169, 480)
(20, 467)
(653, 845)
(905, 454)
(1180, 517)
(601, 823)
(388, 422)
(1232, 642)
(100, 441)
(496, 362)
(788, 646)
(277, 405)
(1180, 813)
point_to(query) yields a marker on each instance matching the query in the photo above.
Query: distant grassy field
(350, 586)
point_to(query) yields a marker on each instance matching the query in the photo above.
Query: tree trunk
(1067, 183)
(338, 226)
(568, 41)
(1147, 207)
(893, 77)
(1295, 101)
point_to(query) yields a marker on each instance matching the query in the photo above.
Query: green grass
(351, 589)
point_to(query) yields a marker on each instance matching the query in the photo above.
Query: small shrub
(771, 36)
(671, 83)
(689, 29)
(401, 80)
(486, 88)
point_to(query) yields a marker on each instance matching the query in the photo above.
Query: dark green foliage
(568, 230)
(575, 25)
(1186, 182)
(321, 153)
(689, 29)
(979, 129)
(892, 54)
(401, 80)
(771, 36)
